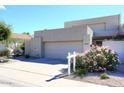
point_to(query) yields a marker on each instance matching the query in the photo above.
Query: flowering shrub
(97, 59)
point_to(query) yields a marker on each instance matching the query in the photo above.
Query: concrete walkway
(22, 74)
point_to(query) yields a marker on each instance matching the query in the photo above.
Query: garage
(57, 43)
(61, 49)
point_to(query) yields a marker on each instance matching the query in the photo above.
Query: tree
(5, 31)
(27, 33)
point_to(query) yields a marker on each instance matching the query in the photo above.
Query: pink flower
(113, 52)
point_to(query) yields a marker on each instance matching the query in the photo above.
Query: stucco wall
(102, 26)
(117, 46)
(27, 47)
(90, 34)
(34, 47)
(121, 29)
(87, 39)
(64, 34)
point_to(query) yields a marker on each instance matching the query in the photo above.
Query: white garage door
(61, 49)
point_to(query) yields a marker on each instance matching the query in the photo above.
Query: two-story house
(75, 36)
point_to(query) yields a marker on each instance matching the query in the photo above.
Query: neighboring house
(75, 36)
(21, 36)
(16, 40)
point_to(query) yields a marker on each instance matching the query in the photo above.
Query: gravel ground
(116, 79)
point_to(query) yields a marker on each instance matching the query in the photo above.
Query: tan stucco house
(75, 36)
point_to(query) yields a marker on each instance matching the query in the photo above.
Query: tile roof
(21, 36)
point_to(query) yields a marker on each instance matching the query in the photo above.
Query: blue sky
(32, 18)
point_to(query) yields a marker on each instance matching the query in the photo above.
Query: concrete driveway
(36, 72)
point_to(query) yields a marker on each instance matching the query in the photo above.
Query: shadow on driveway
(59, 76)
(42, 60)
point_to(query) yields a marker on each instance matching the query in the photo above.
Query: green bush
(97, 59)
(4, 52)
(80, 72)
(104, 76)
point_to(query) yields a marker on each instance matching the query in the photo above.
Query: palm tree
(5, 32)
